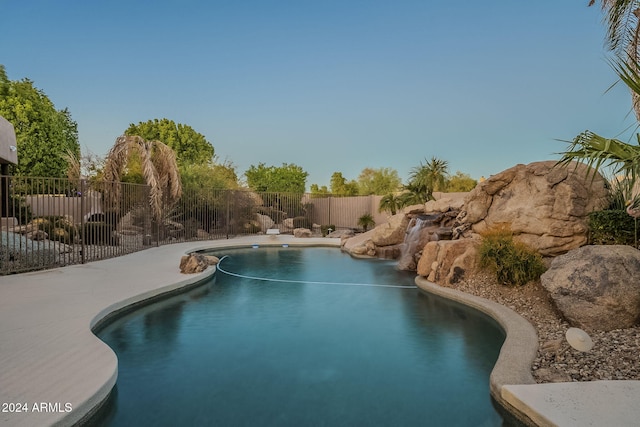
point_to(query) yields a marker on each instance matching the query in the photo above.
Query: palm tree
(159, 168)
(599, 152)
(428, 177)
(389, 203)
(622, 18)
(365, 221)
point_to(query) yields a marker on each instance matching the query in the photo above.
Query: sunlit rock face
(546, 206)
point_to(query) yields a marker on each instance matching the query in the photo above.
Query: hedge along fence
(51, 222)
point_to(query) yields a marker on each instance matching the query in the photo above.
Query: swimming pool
(340, 342)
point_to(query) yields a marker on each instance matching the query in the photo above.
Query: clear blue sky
(328, 85)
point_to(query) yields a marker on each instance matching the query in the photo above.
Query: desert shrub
(301, 222)
(324, 229)
(58, 228)
(250, 227)
(513, 262)
(61, 235)
(611, 227)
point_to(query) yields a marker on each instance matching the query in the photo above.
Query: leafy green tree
(202, 177)
(44, 135)
(378, 181)
(190, 146)
(317, 191)
(341, 187)
(288, 178)
(201, 205)
(460, 182)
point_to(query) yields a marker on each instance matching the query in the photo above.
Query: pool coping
(517, 353)
(512, 386)
(49, 354)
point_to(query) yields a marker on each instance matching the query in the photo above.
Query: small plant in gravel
(612, 227)
(513, 262)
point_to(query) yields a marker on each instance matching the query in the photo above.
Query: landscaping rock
(391, 232)
(357, 245)
(287, 224)
(449, 261)
(18, 253)
(546, 206)
(596, 287)
(265, 222)
(342, 234)
(302, 232)
(196, 263)
(389, 252)
(446, 202)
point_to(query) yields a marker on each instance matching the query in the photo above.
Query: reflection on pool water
(317, 352)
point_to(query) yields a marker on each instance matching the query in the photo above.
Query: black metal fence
(49, 222)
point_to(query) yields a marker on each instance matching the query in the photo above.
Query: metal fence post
(83, 189)
(226, 226)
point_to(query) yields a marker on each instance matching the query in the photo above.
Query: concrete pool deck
(55, 371)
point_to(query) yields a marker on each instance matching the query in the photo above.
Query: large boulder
(265, 222)
(196, 263)
(444, 202)
(596, 287)
(391, 232)
(449, 261)
(302, 232)
(545, 205)
(360, 244)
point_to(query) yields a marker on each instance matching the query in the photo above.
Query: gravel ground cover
(614, 356)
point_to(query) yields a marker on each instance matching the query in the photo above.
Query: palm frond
(159, 168)
(597, 152)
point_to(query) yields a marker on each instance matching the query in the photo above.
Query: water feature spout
(420, 231)
(411, 241)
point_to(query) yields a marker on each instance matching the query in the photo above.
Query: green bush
(612, 227)
(513, 262)
(301, 222)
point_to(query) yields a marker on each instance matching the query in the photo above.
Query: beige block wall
(343, 212)
(54, 205)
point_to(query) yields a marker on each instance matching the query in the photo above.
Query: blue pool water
(321, 349)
